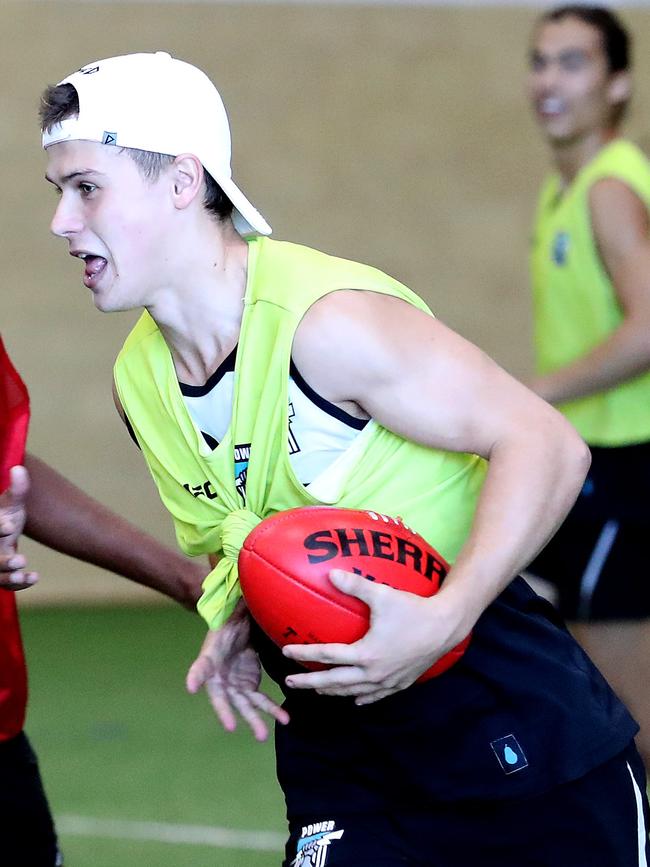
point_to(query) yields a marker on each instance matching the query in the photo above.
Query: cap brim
(247, 219)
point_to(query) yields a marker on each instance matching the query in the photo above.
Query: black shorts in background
(27, 835)
(598, 559)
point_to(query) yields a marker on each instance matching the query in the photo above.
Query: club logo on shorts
(314, 843)
(509, 754)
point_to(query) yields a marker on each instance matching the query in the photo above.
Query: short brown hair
(616, 40)
(61, 101)
(615, 37)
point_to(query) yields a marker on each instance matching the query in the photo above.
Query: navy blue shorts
(27, 835)
(599, 820)
(597, 561)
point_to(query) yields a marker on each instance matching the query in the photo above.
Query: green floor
(119, 739)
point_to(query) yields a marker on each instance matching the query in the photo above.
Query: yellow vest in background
(575, 304)
(216, 497)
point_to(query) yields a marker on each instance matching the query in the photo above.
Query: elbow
(583, 459)
(576, 456)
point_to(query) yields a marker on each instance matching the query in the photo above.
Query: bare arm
(421, 380)
(621, 229)
(416, 377)
(64, 518)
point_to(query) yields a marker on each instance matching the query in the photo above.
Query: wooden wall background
(393, 135)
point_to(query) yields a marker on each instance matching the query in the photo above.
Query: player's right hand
(12, 521)
(230, 671)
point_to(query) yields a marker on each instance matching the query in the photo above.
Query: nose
(546, 77)
(66, 220)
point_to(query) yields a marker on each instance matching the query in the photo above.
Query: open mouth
(552, 106)
(94, 268)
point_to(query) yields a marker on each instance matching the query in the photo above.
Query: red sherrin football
(285, 561)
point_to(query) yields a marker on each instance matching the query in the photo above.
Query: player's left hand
(407, 634)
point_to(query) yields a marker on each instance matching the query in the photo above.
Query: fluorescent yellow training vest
(575, 304)
(216, 497)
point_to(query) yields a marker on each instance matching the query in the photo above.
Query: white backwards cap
(154, 102)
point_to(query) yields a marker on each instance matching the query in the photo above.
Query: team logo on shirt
(314, 843)
(294, 447)
(242, 457)
(560, 251)
(243, 453)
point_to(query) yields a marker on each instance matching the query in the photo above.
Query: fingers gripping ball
(285, 562)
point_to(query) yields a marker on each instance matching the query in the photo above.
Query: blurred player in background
(50, 509)
(591, 285)
(265, 375)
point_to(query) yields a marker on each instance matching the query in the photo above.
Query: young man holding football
(263, 376)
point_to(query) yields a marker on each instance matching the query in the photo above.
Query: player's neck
(201, 321)
(572, 156)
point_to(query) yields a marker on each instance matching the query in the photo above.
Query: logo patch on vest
(242, 456)
(509, 754)
(314, 843)
(560, 251)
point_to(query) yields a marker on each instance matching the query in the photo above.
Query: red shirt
(14, 419)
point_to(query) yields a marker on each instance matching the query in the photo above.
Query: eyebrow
(565, 53)
(574, 52)
(70, 177)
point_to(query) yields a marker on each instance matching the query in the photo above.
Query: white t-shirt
(319, 431)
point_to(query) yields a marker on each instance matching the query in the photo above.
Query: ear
(187, 180)
(620, 88)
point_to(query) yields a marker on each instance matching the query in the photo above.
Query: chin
(560, 137)
(105, 304)
(108, 301)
